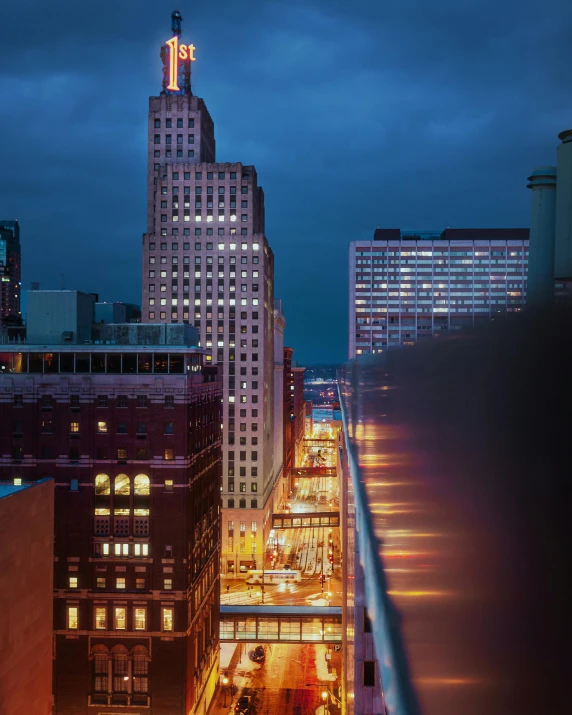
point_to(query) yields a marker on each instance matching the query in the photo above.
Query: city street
(291, 680)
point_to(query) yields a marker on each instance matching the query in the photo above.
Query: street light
(224, 683)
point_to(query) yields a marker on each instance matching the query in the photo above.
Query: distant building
(10, 270)
(26, 589)
(110, 313)
(129, 427)
(59, 316)
(408, 286)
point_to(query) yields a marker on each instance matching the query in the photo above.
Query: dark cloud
(357, 115)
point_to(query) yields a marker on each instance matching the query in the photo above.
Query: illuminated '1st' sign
(178, 52)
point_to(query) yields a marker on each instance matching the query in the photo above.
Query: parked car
(243, 704)
(258, 654)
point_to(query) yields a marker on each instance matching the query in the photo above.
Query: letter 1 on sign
(173, 45)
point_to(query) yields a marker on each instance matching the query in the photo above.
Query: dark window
(102, 400)
(17, 428)
(169, 428)
(369, 673)
(231, 503)
(169, 400)
(254, 503)
(242, 504)
(141, 400)
(121, 400)
(122, 428)
(366, 622)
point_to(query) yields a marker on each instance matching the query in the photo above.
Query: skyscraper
(10, 265)
(407, 286)
(206, 261)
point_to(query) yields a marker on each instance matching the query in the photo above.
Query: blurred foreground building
(408, 286)
(456, 462)
(130, 430)
(26, 593)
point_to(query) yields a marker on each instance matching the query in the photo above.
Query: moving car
(242, 706)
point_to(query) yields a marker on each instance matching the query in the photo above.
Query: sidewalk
(229, 655)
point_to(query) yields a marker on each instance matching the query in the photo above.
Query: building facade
(26, 596)
(10, 272)
(130, 432)
(206, 261)
(407, 286)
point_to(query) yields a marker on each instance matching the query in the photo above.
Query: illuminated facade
(10, 267)
(407, 286)
(130, 433)
(206, 261)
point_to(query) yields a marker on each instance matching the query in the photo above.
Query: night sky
(407, 113)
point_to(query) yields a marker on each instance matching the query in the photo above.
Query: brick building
(26, 568)
(130, 431)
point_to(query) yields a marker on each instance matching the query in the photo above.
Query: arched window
(102, 484)
(100, 668)
(140, 669)
(120, 668)
(122, 484)
(141, 484)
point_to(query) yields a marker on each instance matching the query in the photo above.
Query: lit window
(100, 582)
(167, 584)
(73, 581)
(140, 619)
(102, 485)
(120, 617)
(120, 582)
(141, 485)
(105, 549)
(74, 427)
(102, 427)
(169, 454)
(140, 583)
(168, 485)
(122, 483)
(17, 481)
(73, 614)
(100, 618)
(167, 619)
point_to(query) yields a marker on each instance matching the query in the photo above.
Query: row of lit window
(242, 486)
(120, 618)
(186, 259)
(120, 583)
(138, 550)
(198, 232)
(198, 218)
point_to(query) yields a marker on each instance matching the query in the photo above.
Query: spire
(176, 59)
(176, 20)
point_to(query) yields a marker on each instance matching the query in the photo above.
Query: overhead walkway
(297, 521)
(281, 624)
(313, 471)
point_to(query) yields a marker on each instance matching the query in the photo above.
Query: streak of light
(448, 681)
(419, 594)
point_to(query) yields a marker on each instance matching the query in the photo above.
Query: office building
(128, 425)
(26, 593)
(10, 270)
(206, 261)
(408, 286)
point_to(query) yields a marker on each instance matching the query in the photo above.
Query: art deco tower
(206, 261)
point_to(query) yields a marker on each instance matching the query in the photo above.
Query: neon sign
(178, 52)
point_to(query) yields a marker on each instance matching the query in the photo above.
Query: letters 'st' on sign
(178, 52)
